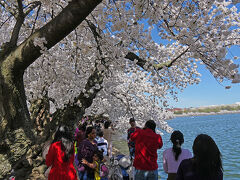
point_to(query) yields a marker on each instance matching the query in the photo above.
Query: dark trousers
(132, 152)
(172, 176)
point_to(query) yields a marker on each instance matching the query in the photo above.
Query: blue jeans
(84, 176)
(132, 152)
(146, 175)
(104, 178)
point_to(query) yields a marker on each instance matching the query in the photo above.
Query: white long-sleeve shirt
(102, 145)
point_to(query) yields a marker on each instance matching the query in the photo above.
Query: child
(102, 143)
(97, 160)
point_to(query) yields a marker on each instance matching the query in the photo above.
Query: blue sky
(209, 91)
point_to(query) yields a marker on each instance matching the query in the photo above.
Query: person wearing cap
(131, 144)
(147, 142)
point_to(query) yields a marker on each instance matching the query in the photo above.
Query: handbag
(81, 168)
(103, 170)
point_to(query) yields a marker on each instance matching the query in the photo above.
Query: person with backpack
(173, 156)
(100, 169)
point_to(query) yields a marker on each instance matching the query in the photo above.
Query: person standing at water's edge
(172, 157)
(131, 144)
(107, 134)
(206, 163)
(147, 142)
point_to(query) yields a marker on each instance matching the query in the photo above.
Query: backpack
(103, 170)
(124, 161)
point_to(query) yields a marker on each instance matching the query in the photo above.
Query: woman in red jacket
(61, 156)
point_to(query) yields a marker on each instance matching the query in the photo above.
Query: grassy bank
(119, 145)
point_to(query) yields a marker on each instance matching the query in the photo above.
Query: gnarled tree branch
(53, 32)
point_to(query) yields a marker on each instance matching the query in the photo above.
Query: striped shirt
(102, 145)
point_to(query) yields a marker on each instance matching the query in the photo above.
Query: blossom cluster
(170, 37)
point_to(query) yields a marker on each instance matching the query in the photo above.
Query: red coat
(60, 170)
(147, 143)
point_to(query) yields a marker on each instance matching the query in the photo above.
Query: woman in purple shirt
(206, 163)
(172, 157)
(86, 151)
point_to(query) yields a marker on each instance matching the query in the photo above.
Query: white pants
(110, 149)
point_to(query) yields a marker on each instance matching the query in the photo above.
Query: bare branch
(175, 59)
(18, 25)
(87, 97)
(141, 62)
(126, 104)
(34, 23)
(6, 7)
(13, 13)
(32, 6)
(5, 21)
(95, 34)
(169, 27)
(132, 56)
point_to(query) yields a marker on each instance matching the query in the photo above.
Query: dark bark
(18, 137)
(72, 112)
(18, 60)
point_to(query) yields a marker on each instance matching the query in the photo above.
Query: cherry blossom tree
(121, 58)
(21, 24)
(119, 40)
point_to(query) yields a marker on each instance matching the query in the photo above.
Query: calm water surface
(224, 129)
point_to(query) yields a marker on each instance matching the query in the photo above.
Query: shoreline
(206, 114)
(119, 144)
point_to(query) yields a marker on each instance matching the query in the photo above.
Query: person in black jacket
(206, 163)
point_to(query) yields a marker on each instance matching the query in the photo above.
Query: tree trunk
(20, 147)
(16, 130)
(22, 143)
(13, 96)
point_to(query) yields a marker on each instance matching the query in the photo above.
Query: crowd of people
(84, 156)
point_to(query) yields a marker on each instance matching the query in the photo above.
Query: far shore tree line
(213, 109)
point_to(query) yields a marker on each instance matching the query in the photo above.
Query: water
(224, 129)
